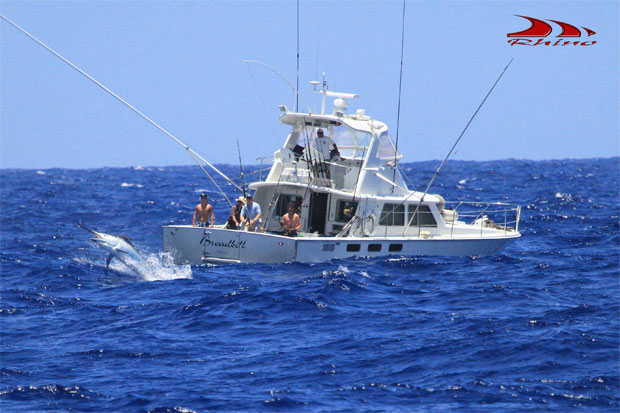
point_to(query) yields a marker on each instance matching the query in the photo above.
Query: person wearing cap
(234, 219)
(203, 212)
(250, 214)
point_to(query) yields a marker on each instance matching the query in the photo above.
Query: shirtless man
(203, 212)
(290, 221)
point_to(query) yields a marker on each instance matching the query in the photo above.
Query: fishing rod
(308, 151)
(453, 147)
(241, 168)
(192, 153)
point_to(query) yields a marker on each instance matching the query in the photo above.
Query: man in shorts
(203, 212)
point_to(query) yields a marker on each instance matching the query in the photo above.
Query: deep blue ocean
(534, 327)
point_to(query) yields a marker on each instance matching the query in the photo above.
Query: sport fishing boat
(351, 196)
(352, 200)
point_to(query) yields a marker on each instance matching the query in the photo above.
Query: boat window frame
(354, 247)
(280, 203)
(305, 137)
(395, 248)
(341, 205)
(390, 213)
(374, 247)
(423, 211)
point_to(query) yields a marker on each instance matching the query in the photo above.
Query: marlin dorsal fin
(126, 239)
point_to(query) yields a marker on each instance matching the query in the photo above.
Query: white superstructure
(356, 203)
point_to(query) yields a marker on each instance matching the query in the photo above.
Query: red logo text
(541, 29)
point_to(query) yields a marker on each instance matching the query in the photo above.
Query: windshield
(386, 151)
(351, 143)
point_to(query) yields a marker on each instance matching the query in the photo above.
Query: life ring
(363, 226)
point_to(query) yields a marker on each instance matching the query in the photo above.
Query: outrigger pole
(192, 153)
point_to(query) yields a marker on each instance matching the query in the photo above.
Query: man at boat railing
(203, 212)
(291, 221)
(250, 214)
(234, 219)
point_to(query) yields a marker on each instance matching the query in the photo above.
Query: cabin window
(345, 210)
(353, 247)
(282, 204)
(386, 151)
(374, 247)
(362, 141)
(393, 215)
(423, 217)
(396, 247)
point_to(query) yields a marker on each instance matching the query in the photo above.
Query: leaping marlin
(119, 247)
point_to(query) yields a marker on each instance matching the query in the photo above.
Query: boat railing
(495, 215)
(262, 160)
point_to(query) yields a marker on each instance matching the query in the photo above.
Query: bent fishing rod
(432, 179)
(241, 169)
(192, 153)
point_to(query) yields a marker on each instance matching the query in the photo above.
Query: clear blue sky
(181, 64)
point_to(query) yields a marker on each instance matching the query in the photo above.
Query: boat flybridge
(352, 201)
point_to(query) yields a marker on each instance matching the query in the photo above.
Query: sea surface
(534, 327)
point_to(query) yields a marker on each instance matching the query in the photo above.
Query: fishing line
(281, 76)
(260, 97)
(193, 153)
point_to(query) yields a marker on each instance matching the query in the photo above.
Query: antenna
(324, 90)
(297, 86)
(400, 84)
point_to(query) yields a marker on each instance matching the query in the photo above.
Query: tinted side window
(353, 247)
(393, 214)
(423, 217)
(345, 210)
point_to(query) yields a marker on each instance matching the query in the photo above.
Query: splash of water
(158, 267)
(162, 268)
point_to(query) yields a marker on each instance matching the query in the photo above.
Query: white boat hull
(195, 245)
